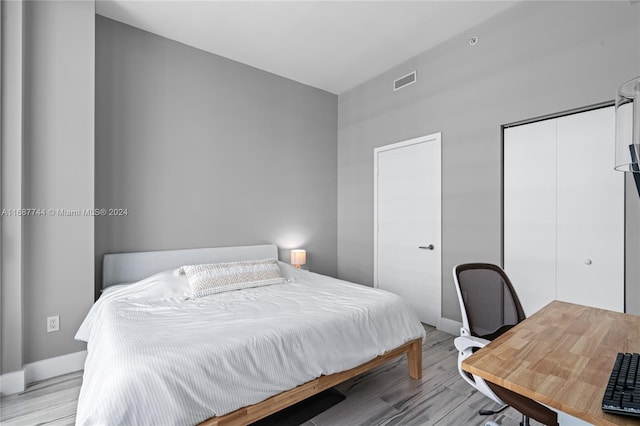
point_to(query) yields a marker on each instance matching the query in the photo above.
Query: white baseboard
(12, 382)
(52, 367)
(449, 326)
(41, 370)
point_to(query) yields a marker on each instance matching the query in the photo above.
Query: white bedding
(155, 358)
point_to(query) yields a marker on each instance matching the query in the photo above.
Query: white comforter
(157, 359)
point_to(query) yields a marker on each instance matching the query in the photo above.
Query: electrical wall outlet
(53, 324)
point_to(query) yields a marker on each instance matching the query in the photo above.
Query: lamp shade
(628, 126)
(298, 257)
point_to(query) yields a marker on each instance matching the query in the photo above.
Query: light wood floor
(383, 396)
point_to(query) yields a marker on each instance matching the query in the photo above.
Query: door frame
(433, 138)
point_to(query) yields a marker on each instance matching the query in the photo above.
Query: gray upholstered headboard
(121, 268)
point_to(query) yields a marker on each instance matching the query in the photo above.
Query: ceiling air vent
(404, 81)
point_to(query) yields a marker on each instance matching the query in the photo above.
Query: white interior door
(590, 223)
(408, 225)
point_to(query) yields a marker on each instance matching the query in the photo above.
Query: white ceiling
(331, 45)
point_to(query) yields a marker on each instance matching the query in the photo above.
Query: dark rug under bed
(303, 410)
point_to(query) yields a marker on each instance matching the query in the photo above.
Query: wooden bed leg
(414, 357)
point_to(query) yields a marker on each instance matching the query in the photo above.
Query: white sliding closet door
(530, 212)
(564, 212)
(590, 223)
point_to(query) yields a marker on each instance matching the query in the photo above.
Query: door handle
(429, 247)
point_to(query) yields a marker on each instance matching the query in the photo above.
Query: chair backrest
(488, 302)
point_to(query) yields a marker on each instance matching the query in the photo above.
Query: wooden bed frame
(252, 413)
(130, 267)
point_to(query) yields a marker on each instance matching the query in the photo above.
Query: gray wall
(58, 161)
(204, 151)
(535, 59)
(59, 170)
(11, 281)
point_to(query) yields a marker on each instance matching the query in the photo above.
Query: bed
(155, 355)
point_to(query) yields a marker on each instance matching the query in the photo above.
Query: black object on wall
(634, 166)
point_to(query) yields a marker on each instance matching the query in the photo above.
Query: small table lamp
(298, 257)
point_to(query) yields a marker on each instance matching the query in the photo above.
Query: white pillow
(213, 278)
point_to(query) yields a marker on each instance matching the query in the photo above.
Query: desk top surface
(561, 356)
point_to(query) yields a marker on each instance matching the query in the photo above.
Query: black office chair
(489, 307)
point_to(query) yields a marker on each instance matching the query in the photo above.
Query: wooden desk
(562, 357)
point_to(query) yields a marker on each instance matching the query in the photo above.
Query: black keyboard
(622, 395)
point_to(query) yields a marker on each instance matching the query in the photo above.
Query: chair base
(492, 412)
(524, 422)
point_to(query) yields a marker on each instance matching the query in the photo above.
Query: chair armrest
(465, 346)
(464, 343)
